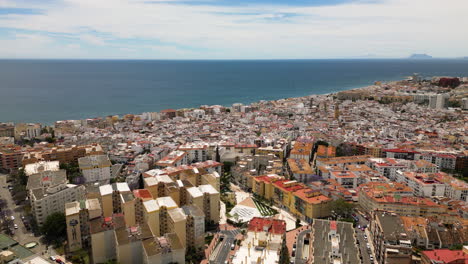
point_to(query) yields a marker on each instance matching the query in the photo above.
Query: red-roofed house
(444, 256)
(269, 225)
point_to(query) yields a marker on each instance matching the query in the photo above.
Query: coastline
(78, 90)
(50, 124)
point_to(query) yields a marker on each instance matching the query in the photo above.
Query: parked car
(52, 258)
(16, 226)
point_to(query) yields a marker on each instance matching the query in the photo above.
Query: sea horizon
(49, 90)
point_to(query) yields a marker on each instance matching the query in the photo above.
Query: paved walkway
(222, 213)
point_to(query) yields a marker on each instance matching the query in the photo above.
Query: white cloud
(390, 28)
(93, 40)
(73, 46)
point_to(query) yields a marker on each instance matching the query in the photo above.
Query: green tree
(227, 166)
(194, 256)
(298, 223)
(54, 229)
(321, 142)
(342, 209)
(73, 170)
(284, 255)
(22, 177)
(50, 139)
(218, 157)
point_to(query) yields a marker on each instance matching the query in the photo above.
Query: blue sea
(49, 90)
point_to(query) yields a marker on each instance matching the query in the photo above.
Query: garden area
(264, 209)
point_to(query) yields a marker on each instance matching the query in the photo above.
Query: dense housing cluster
(376, 174)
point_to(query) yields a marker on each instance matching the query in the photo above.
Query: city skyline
(205, 29)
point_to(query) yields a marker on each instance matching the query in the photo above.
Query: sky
(232, 29)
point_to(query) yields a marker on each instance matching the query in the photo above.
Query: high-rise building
(49, 191)
(78, 214)
(95, 168)
(195, 228)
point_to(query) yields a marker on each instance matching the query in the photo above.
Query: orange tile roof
(142, 193)
(271, 225)
(318, 198)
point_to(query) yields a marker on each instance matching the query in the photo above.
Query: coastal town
(371, 175)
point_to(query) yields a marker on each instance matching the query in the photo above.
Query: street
(21, 235)
(224, 247)
(362, 240)
(299, 259)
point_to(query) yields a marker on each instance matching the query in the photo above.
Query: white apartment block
(197, 152)
(49, 192)
(456, 189)
(95, 168)
(387, 166)
(442, 160)
(174, 159)
(423, 185)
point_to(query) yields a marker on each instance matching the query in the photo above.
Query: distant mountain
(420, 56)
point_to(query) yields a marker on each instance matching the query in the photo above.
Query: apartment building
(29, 130)
(103, 242)
(156, 184)
(111, 239)
(197, 152)
(302, 150)
(195, 227)
(151, 216)
(41, 166)
(129, 243)
(195, 197)
(398, 198)
(263, 241)
(49, 191)
(77, 215)
(96, 168)
(341, 161)
(400, 153)
(391, 243)
(164, 249)
(423, 166)
(332, 242)
(300, 170)
(11, 158)
(423, 184)
(111, 199)
(174, 159)
(63, 154)
(442, 160)
(300, 200)
(347, 179)
(7, 130)
(278, 151)
(177, 224)
(211, 202)
(444, 256)
(165, 204)
(388, 167)
(454, 188)
(326, 151)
